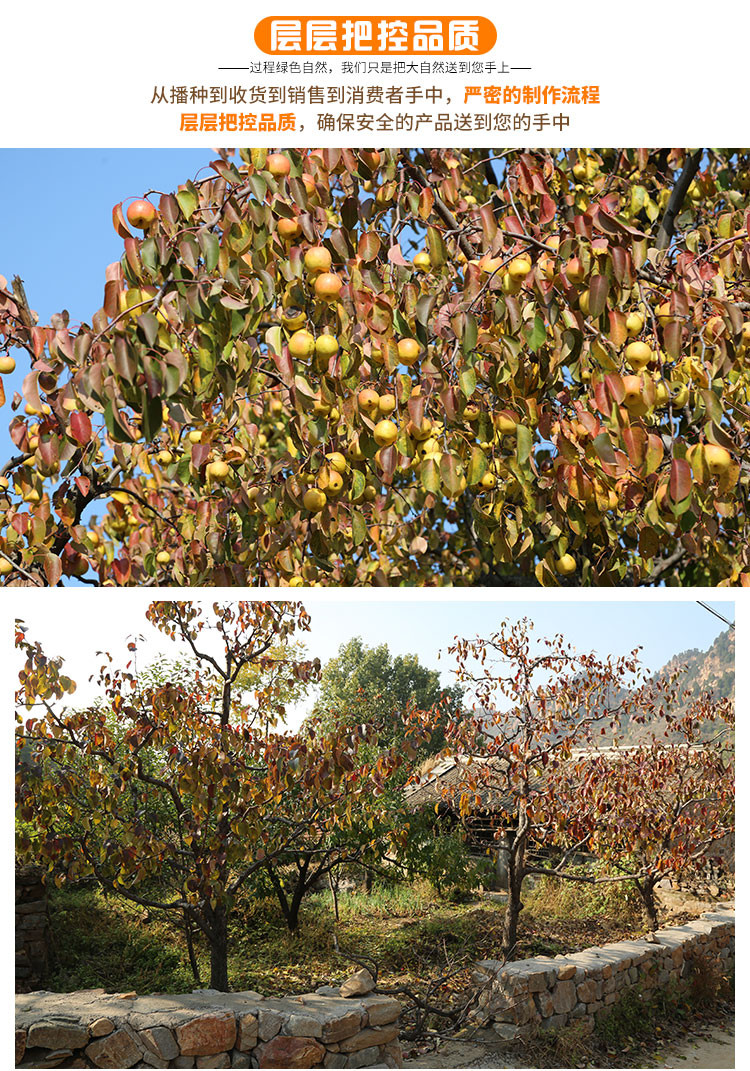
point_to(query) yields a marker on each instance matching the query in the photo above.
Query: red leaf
(598, 295)
(680, 480)
(548, 209)
(52, 569)
(118, 221)
(38, 338)
(80, 427)
(121, 569)
(30, 389)
(199, 454)
(83, 483)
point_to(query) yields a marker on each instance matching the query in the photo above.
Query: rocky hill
(703, 671)
(711, 670)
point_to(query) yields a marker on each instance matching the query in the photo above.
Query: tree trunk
(191, 948)
(514, 906)
(219, 971)
(292, 915)
(368, 882)
(646, 889)
(334, 886)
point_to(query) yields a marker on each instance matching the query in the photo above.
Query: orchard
(391, 367)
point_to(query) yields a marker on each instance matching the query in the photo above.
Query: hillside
(704, 671)
(711, 670)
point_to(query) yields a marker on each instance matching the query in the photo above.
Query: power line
(715, 613)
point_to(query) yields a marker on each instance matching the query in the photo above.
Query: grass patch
(407, 929)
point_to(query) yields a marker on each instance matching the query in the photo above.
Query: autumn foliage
(542, 765)
(399, 367)
(174, 796)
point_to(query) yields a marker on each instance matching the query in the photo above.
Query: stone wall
(525, 996)
(32, 928)
(208, 1029)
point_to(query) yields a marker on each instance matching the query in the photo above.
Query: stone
(378, 1035)
(150, 1059)
(564, 997)
(269, 1023)
(101, 1027)
(207, 1034)
(54, 1059)
(20, 1045)
(555, 1022)
(507, 1031)
(335, 1059)
(358, 984)
(304, 1026)
(160, 1042)
(364, 1057)
(218, 1059)
(58, 1034)
(247, 1032)
(284, 1051)
(240, 1059)
(183, 1061)
(120, 1049)
(545, 1004)
(589, 990)
(381, 1010)
(342, 1027)
(566, 971)
(393, 1055)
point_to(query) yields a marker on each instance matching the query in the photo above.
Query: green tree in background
(369, 684)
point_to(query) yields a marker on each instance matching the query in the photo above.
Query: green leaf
(151, 410)
(477, 465)
(149, 326)
(187, 200)
(114, 428)
(425, 306)
(450, 472)
(536, 336)
(524, 443)
(468, 382)
(604, 449)
(150, 256)
(358, 484)
(209, 244)
(258, 186)
(469, 339)
(429, 475)
(359, 528)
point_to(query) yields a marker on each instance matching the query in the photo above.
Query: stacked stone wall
(549, 993)
(32, 929)
(207, 1029)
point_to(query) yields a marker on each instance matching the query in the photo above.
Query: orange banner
(387, 36)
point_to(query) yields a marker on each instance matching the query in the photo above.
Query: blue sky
(56, 224)
(56, 227)
(420, 624)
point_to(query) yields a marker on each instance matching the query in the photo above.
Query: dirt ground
(715, 1049)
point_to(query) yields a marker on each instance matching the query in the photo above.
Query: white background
(78, 74)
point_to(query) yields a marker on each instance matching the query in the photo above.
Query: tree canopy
(175, 794)
(390, 367)
(370, 684)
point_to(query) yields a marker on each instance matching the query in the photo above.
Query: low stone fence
(32, 928)
(547, 993)
(207, 1029)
